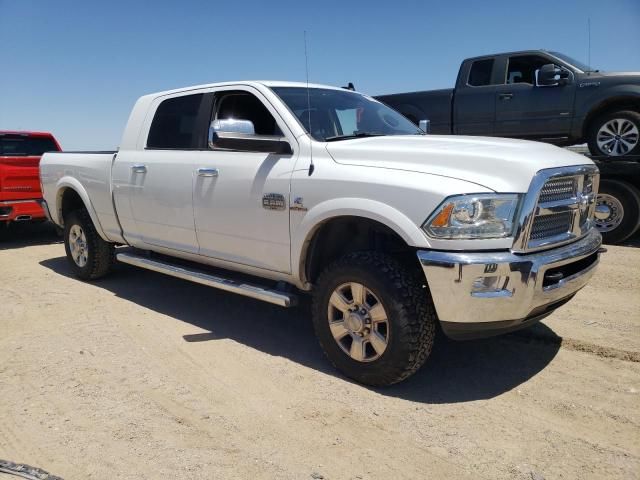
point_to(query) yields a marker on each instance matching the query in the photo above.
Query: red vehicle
(20, 193)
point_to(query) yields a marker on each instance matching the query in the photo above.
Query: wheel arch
(321, 237)
(70, 196)
(609, 105)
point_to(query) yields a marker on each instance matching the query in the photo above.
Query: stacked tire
(616, 134)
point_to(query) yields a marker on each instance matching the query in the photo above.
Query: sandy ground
(142, 376)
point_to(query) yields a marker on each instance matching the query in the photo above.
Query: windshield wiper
(354, 135)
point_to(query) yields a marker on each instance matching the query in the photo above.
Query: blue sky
(75, 68)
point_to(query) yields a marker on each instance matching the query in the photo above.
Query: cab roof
(251, 83)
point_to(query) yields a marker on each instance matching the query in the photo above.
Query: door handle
(139, 168)
(208, 172)
(505, 96)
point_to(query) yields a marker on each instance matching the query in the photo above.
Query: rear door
(153, 185)
(526, 110)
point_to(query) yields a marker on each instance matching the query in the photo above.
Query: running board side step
(276, 297)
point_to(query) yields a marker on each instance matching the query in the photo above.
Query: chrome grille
(558, 189)
(547, 226)
(558, 207)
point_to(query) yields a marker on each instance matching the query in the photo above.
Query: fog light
(491, 287)
(484, 284)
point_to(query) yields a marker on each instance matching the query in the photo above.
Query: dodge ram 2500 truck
(274, 189)
(536, 95)
(20, 194)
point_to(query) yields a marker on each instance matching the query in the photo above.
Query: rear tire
(615, 134)
(617, 211)
(390, 318)
(89, 255)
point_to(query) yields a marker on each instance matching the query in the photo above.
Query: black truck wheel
(89, 255)
(615, 134)
(617, 210)
(373, 317)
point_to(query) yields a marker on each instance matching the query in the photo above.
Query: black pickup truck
(536, 95)
(547, 96)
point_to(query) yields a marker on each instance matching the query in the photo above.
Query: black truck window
(24, 146)
(480, 73)
(174, 124)
(522, 69)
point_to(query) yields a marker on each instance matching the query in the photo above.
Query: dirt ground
(142, 376)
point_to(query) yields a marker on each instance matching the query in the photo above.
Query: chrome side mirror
(425, 126)
(240, 136)
(231, 125)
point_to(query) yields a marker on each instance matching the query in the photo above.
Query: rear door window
(480, 73)
(175, 124)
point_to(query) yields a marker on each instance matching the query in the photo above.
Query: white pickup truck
(275, 189)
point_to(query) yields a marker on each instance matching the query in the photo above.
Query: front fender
(69, 182)
(352, 207)
(591, 100)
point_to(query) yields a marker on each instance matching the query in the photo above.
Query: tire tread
(417, 312)
(102, 253)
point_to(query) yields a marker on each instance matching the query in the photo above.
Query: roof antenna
(306, 67)
(589, 35)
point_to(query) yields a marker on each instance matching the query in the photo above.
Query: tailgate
(19, 178)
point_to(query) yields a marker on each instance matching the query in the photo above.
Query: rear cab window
(16, 145)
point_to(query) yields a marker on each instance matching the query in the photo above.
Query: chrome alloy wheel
(358, 322)
(78, 245)
(609, 213)
(618, 137)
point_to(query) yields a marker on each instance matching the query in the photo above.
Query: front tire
(615, 134)
(617, 211)
(374, 318)
(89, 255)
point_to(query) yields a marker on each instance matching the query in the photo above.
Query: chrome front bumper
(486, 293)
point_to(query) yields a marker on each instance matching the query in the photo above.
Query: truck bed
(89, 173)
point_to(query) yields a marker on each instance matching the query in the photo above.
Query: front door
(526, 110)
(241, 198)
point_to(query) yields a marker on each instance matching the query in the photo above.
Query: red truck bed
(20, 193)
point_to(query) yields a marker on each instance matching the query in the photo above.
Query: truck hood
(500, 164)
(612, 74)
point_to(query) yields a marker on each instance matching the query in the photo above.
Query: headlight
(474, 216)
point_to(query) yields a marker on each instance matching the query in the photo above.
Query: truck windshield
(24, 146)
(572, 61)
(331, 115)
